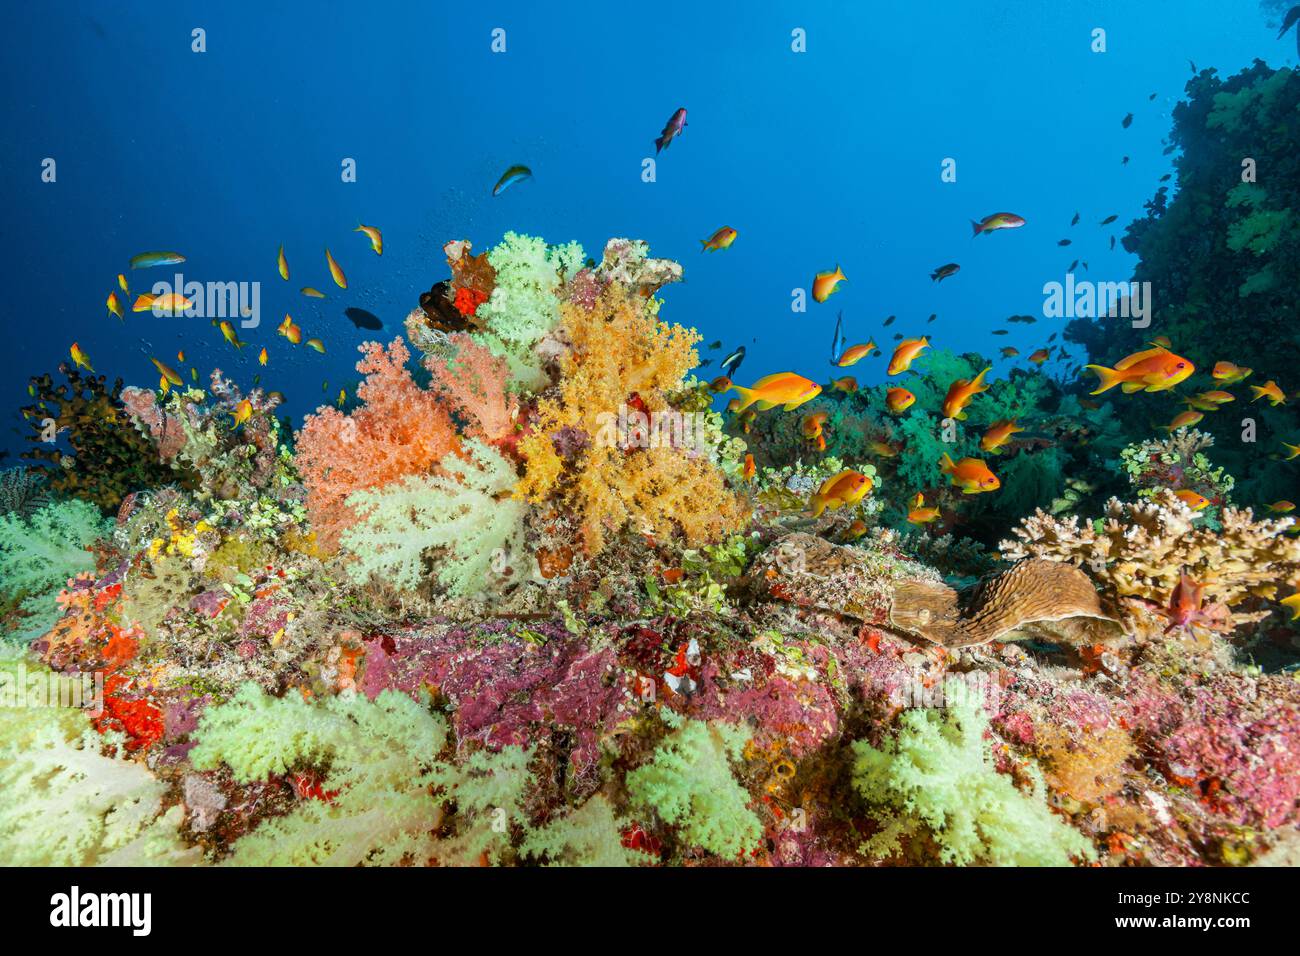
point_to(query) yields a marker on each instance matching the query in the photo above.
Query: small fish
(720, 384)
(933, 316)
(375, 236)
(919, 513)
(242, 413)
(1127, 121)
(998, 220)
(1010, 352)
(1270, 391)
(1027, 319)
(1229, 374)
(1108, 220)
(961, 392)
(1075, 220)
(194, 374)
(164, 385)
(722, 239)
(672, 129)
(146, 260)
(971, 475)
(715, 345)
(838, 491)
(289, 330)
(944, 271)
(80, 358)
(906, 354)
(999, 434)
(228, 332)
(750, 469)
(121, 284)
(1154, 370)
(889, 321)
(1192, 499)
(1112, 243)
(1073, 266)
(340, 279)
(855, 353)
(172, 303)
(1218, 397)
(1282, 507)
(363, 319)
(885, 449)
(1001, 332)
(282, 264)
(180, 355)
(343, 397)
(729, 365)
(1064, 242)
(855, 530)
(114, 306)
(1200, 404)
(826, 284)
(1183, 420)
(262, 356)
(848, 384)
(1293, 451)
(316, 344)
(899, 400)
(143, 302)
(312, 293)
(1162, 341)
(812, 424)
(169, 374)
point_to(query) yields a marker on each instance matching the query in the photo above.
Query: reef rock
(1035, 599)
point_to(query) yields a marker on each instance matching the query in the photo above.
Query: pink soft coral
(399, 430)
(473, 384)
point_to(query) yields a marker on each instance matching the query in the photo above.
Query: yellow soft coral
(621, 356)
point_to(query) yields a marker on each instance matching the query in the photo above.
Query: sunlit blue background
(825, 157)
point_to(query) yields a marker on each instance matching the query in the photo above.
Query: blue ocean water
(823, 157)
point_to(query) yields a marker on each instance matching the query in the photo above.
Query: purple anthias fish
(676, 123)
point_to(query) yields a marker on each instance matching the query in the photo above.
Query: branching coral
(399, 430)
(1139, 550)
(39, 554)
(937, 777)
(689, 784)
(466, 514)
(621, 356)
(472, 383)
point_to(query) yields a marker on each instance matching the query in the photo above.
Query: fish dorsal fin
(767, 380)
(1139, 357)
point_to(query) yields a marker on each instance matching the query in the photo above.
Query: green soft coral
(466, 513)
(39, 554)
(65, 803)
(938, 777)
(689, 784)
(380, 757)
(588, 836)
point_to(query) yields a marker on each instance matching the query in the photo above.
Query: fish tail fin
(1107, 378)
(1259, 392)
(747, 396)
(704, 245)
(660, 143)
(977, 227)
(934, 276)
(946, 465)
(818, 505)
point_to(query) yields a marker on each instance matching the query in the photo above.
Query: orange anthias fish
(826, 284)
(1230, 374)
(899, 400)
(1183, 420)
(79, 357)
(1192, 499)
(1154, 370)
(999, 434)
(1282, 507)
(143, 302)
(1218, 397)
(170, 302)
(812, 425)
(845, 489)
(114, 306)
(1162, 341)
(720, 384)
(316, 344)
(750, 468)
(919, 514)
(1186, 603)
(905, 354)
(848, 384)
(780, 388)
(1270, 391)
(722, 239)
(1041, 356)
(229, 334)
(961, 392)
(121, 284)
(971, 475)
(242, 413)
(262, 356)
(1293, 451)
(282, 264)
(854, 354)
(885, 449)
(999, 220)
(374, 235)
(340, 279)
(1010, 352)
(169, 374)
(290, 331)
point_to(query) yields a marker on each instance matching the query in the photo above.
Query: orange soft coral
(621, 355)
(400, 429)
(472, 382)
